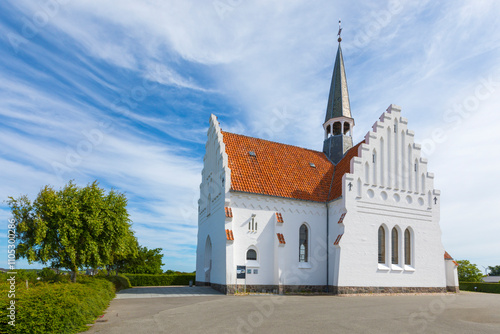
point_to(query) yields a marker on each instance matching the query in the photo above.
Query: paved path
(466, 312)
(166, 291)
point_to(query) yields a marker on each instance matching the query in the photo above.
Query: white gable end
(389, 187)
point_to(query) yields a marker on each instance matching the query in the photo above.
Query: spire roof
(338, 100)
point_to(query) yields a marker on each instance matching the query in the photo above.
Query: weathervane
(340, 30)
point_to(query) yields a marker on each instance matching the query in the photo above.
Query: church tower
(338, 121)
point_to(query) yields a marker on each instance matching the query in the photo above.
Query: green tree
(468, 272)
(147, 261)
(494, 271)
(73, 227)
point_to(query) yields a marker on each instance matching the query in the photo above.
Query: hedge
(55, 307)
(121, 281)
(481, 287)
(160, 280)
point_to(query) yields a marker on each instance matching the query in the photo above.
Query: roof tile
(283, 170)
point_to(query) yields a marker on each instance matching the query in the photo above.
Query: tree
(494, 271)
(73, 227)
(468, 272)
(148, 261)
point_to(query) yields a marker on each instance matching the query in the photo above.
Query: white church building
(358, 218)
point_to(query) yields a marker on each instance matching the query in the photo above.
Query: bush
(56, 307)
(481, 287)
(160, 280)
(22, 275)
(121, 281)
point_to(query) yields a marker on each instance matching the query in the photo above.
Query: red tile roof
(344, 166)
(447, 256)
(229, 212)
(283, 170)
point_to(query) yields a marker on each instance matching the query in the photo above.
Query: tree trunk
(73, 275)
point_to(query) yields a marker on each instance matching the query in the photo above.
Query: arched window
(381, 245)
(347, 128)
(395, 246)
(337, 128)
(303, 243)
(407, 247)
(251, 254)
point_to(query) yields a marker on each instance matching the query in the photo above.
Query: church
(352, 218)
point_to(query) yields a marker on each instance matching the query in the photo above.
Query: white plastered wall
(451, 273)
(390, 187)
(211, 216)
(277, 264)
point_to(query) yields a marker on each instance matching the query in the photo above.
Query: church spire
(338, 100)
(338, 121)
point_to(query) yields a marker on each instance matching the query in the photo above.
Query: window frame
(408, 247)
(395, 258)
(305, 259)
(248, 251)
(382, 246)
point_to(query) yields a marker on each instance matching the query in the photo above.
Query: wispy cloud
(143, 77)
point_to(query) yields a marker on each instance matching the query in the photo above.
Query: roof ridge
(276, 142)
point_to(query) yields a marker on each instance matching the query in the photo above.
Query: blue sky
(121, 92)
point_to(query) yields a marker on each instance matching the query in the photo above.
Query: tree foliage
(494, 271)
(73, 227)
(468, 272)
(147, 261)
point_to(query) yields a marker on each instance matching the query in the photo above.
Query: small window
(303, 244)
(381, 245)
(252, 225)
(407, 247)
(312, 165)
(252, 153)
(251, 255)
(395, 246)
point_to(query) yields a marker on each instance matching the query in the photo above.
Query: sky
(121, 92)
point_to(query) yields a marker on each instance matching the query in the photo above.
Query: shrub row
(481, 287)
(160, 280)
(55, 307)
(121, 281)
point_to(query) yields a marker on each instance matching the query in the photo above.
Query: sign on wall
(240, 272)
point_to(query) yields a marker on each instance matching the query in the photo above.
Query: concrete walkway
(463, 313)
(166, 291)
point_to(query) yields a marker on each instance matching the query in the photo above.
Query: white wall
(392, 192)
(277, 264)
(211, 215)
(451, 273)
(335, 210)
